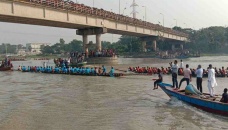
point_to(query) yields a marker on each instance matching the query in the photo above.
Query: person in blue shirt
(111, 73)
(83, 70)
(87, 70)
(23, 68)
(104, 69)
(28, 69)
(43, 69)
(93, 71)
(65, 70)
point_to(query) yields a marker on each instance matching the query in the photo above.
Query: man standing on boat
(211, 80)
(199, 76)
(187, 76)
(174, 68)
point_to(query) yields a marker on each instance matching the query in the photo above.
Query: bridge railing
(81, 8)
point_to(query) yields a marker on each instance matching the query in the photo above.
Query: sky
(195, 14)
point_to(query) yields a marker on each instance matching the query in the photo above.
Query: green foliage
(7, 48)
(61, 47)
(128, 44)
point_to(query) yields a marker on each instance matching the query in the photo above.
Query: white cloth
(181, 65)
(211, 81)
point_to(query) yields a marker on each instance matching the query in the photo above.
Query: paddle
(121, 70)
(154, 79)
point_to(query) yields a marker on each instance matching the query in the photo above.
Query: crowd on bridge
(81, 8)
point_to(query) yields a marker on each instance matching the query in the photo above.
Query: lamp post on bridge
(119, 6)
(176, 21)
(163, 19)
(145, 11)
(93, 3)
(124, 10)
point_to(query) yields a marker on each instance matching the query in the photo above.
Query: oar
(122, 70)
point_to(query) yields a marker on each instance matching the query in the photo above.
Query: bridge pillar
(98, 42)
(154, 45)
(173, 47)
(144, 46)
(85, 42)
(182, 46)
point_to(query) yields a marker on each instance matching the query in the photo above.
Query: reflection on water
(34, 101)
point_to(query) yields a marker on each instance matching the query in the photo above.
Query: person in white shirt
(181, 65)
(199, 76)
(174, 68)
(44, 64)
(211, 80)
(187, 76)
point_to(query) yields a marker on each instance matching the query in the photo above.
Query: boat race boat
(5, 68)
(105, 75)
(197, 99)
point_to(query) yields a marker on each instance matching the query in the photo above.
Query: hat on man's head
(210, 65)
(199, 66)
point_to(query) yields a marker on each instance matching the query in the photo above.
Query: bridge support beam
(144, 46)
(85, 42)
(154, 45)
(98, 42)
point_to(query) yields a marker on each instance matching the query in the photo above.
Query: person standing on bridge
(174, 68)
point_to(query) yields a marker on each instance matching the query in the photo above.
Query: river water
(34, 101)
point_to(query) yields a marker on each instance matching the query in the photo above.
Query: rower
(103, 69)
(19, 68)
(111, 73)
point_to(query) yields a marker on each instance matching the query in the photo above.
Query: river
(36, 101)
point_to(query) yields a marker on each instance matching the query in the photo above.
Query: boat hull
(204, 104)
(5, 68)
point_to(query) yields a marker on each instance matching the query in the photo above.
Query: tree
(47, 50)
(61, 41)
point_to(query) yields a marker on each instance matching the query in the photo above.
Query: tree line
(206, 40)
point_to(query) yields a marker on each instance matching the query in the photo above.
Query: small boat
(5, 68)
(204, 101)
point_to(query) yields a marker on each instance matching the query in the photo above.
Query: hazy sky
(194, 14)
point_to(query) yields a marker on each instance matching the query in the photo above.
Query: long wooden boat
(5, 68)
(204, 102)
(106, 74)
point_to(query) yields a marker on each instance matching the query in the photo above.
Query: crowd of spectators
(102, 53)
(76, 57)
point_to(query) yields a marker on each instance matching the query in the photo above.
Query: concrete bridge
(87, 20)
